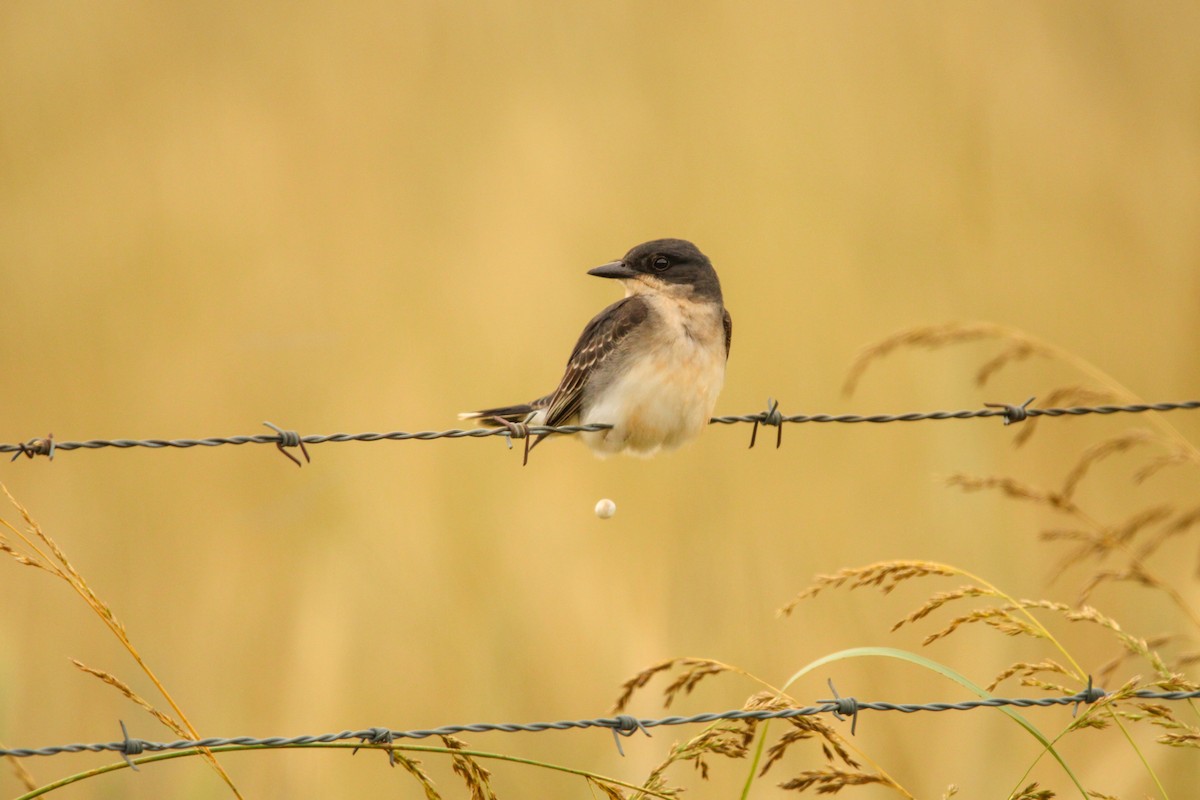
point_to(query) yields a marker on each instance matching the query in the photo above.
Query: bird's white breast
(666, 390)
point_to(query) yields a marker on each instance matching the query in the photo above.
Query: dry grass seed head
(1090, 716)
(932, 337)
(1045, 686)
(413, 767)
(1001, 618)
(729, 739)
(726, 739)
(1066, 396)
(639, 681)
(1176, 683)
(762, 701)
(1122, 692)
(832, 781)
(656, 781)
(607, 789)
(805, 728)
(56, 563)
(1106, 671)
(1133, 574)
(123, 688)
(776, 751)
(1098, 544)
(1182, 524)
(1187, 660)
(940, 599)
(1180, 739)
(1090, 721)
(35, 558)
(886, 575)
(733, 739)
(1102, 450)
(20, 558)
(998, 617)
(1178, 455)
(1017, 351)
(474, 775)
(1019, 346)
(718, 739)
(768, 701)
(1136, 646)
(1067, 535)
(1032, 792)
(1027, 669)
(697, 670)
(1158, 714)
(1125, 532)
(1155, 713)
(1133, 644)
(36, 531)
(1012, 488)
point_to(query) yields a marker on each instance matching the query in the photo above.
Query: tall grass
(1132, 542)
(808, 754)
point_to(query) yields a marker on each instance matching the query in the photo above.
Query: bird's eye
(660, 263)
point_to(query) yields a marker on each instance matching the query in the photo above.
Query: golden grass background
(373, 216)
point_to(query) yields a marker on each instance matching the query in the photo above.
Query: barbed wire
(621, 725)
(48, 446)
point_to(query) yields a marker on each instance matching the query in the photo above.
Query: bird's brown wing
(599, 340)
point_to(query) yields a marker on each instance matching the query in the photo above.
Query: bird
(651, 364)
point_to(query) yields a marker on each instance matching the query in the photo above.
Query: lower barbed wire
(841, 707)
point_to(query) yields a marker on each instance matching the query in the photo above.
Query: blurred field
(373, 217)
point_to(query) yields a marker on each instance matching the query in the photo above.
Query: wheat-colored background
(373, 216)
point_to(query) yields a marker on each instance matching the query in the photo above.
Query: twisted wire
(922, 416)
(48, 446)
(276, 439)
(622, 724)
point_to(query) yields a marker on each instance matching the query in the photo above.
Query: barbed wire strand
(48, 446)
(620, 725)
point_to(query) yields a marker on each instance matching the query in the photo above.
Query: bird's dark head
(669, 265)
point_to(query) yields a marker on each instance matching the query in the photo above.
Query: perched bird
(651, 365)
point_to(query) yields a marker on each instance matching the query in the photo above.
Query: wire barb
(1091, 694)
(1013, 413)
(380, 736)
(769, 417)
(41, 446)
(289, 439)
(626, 725)
(515, 430)
(843, 707)
(130, 747)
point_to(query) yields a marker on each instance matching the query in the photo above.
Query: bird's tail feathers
(488, 416)
(522, 412)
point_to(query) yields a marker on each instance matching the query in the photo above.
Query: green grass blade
(920, 661)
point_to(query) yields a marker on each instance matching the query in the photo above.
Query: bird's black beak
(614, 269)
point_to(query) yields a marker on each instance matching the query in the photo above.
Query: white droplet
(605, 508)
